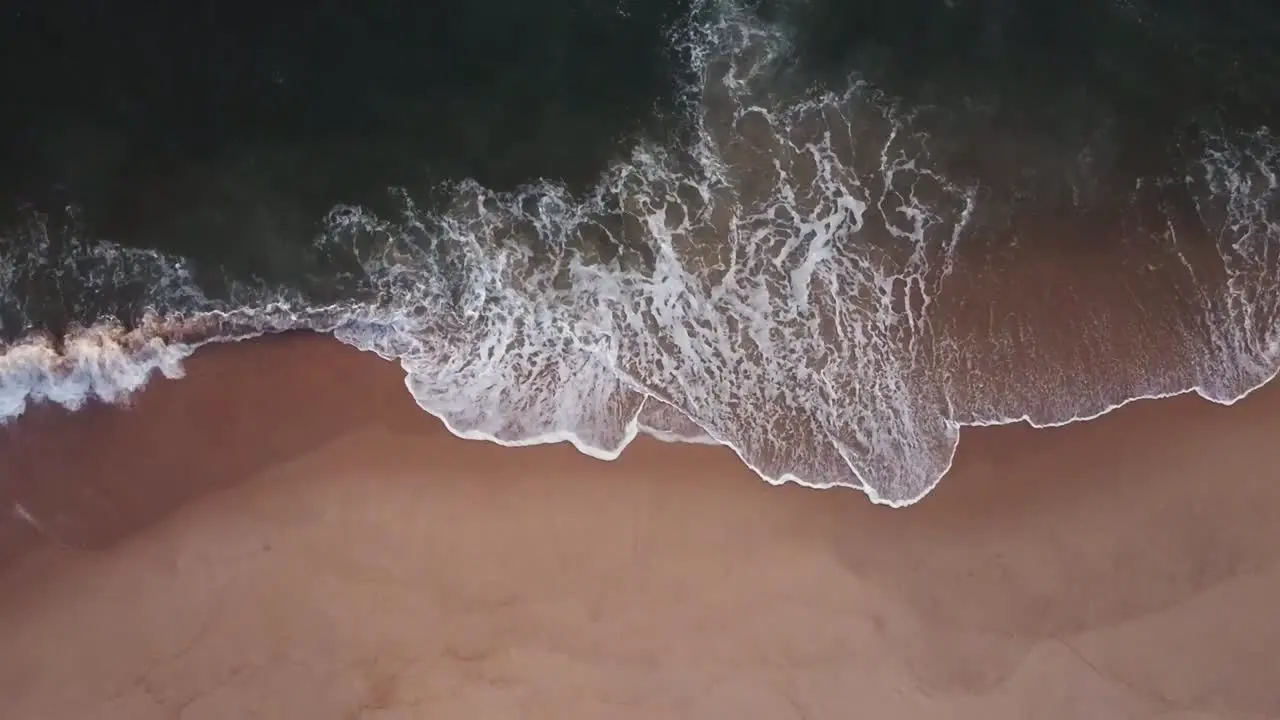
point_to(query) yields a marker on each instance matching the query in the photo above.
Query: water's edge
(95, 366)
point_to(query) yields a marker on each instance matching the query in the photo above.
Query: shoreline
(299, 344)
(170, 363)
(378, 399)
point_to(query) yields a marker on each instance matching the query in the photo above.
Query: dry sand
(334, 553)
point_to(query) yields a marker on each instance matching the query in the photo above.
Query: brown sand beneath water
(335, 553)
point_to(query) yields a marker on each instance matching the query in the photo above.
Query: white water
(779, 296)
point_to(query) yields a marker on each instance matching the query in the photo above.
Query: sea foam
(792, 284)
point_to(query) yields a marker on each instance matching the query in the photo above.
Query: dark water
(225, 131)
(646, 200)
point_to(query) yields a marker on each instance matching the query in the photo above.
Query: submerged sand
(283, 534)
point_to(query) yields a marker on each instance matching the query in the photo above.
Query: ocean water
(826, 234)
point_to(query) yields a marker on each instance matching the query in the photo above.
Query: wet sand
(283, 534)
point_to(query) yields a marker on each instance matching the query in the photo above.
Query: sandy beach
(284, 534)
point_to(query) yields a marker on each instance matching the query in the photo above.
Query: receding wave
(807, 280)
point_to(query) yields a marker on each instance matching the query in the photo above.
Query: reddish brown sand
(337, 554)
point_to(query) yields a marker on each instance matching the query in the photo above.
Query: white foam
(95, 364)
(784, 303)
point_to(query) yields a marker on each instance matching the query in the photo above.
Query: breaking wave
(807, 280)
